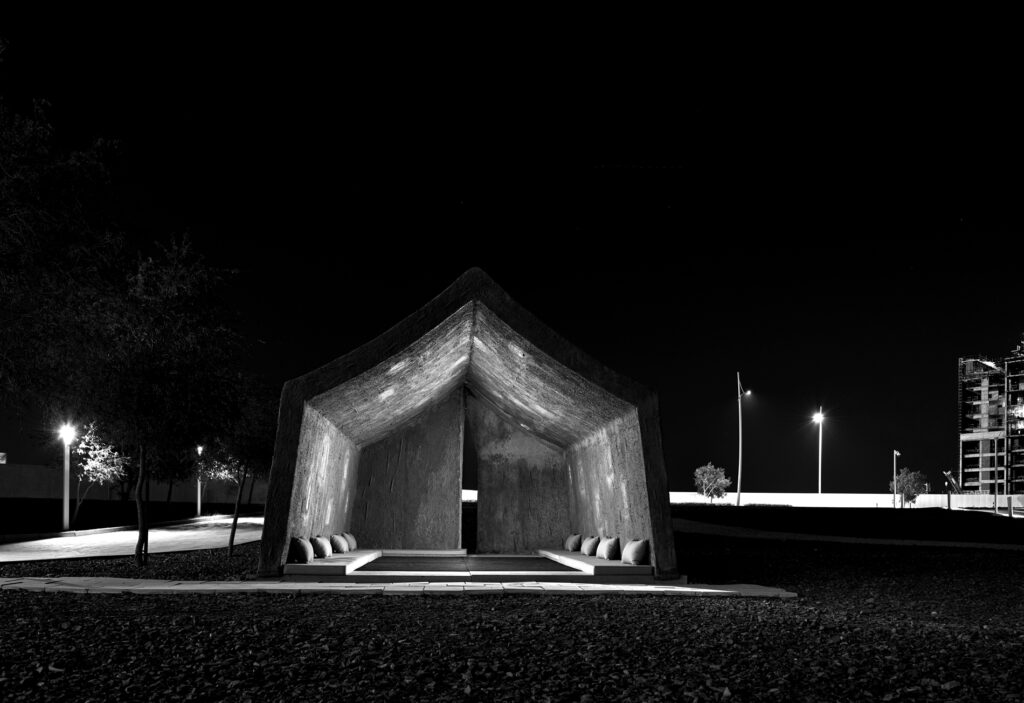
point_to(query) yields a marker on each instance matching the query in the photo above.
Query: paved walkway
(211, 533)
(705, 528)
(204, 533)
(154, 586)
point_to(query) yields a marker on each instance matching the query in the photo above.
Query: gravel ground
(870, 624)
(195, 565)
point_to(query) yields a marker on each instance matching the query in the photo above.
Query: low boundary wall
(850, 500)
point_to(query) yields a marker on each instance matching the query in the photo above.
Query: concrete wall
(32, 481)
(848, 500)
(409, 489)
(321, 501)
(523, 485)
(37, 481)
(609, 484)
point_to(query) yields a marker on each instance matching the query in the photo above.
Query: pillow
(573, 543)
(300, 551)
(608, 548)
(589, 546)
(321, 547)
(350, 538)
(339, 544)
(635, 552)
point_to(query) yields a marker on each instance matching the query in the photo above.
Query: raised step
(334, 565)
(595, 565)
(424, 552)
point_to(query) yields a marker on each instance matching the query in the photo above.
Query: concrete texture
(523, 485)
(382, 399)
(155, 587)
(607, 481)
(409, 491)
(203, 533)
(323, 496)
(526, 383)
(472, 335)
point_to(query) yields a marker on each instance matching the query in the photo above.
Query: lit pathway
(153, 586)
(201, 534)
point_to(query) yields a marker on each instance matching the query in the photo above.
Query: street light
(67, 434)
(199, 484)
(819, 419)
(894, 455)
(739, 464)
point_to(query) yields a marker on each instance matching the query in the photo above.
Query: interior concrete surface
(523, 487)
(409, 489)
(373, 442)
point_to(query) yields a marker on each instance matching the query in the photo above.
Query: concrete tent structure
(375, 442)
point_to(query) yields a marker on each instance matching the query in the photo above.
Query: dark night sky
(836, 231)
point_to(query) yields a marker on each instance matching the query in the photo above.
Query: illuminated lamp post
(67, 434)
(819, 419)
(199, 483)
(739, 464)
(895, 454)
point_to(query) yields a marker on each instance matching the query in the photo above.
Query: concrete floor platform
(414, 588)
(377, 566)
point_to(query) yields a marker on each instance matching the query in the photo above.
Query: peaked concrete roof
(473, 333)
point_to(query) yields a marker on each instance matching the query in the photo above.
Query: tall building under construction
(990, 396)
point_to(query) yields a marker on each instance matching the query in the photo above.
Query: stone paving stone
(361, 588)
(434, 590)
(523, 588)
(155, 586)
(474, 588)
(557, 586)
(400, 589)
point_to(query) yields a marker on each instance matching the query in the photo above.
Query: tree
(60, 256)
(711, 481)
(909, 484)
(100, 464)
(246, 448)
(168, 368)
(129, 334)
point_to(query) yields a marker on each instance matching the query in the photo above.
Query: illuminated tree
(100, 464)
(711, 481)
(909, 484)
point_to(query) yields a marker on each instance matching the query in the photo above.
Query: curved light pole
(67, 434)
(819, 419)
(895, 454)
(739, 464)
(199, 483)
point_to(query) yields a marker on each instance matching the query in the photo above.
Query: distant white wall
(847, 500)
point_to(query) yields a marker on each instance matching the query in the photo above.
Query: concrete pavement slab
(157, 587)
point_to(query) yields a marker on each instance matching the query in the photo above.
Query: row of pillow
(635, 551)
(303, 550)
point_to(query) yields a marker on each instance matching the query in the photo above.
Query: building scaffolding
(990, 399)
